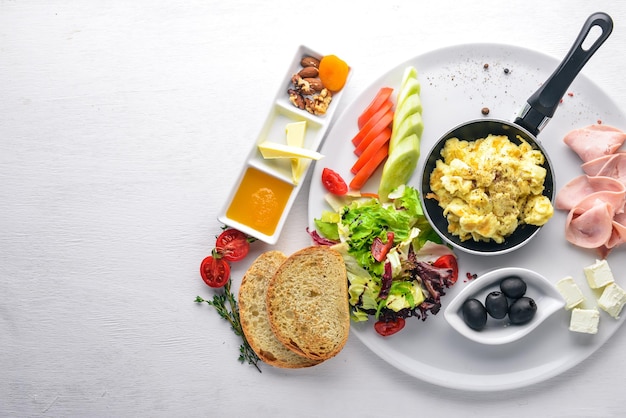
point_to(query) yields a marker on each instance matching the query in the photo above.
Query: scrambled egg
(490, 186)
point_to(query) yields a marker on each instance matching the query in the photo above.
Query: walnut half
(296, 99)
(318, 103)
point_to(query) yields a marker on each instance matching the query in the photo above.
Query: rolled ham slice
(619, 231)
(595, 141)
(605, 188)
(593, 167)
(613, 165)
(590, 227)
(618, 236)
(596, 201)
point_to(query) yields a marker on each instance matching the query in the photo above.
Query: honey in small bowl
(260, 201)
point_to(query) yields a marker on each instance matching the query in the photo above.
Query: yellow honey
(259, 201)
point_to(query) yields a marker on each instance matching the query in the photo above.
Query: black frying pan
(537, 112)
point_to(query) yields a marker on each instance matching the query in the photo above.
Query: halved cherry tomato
(389, 328)
(333, 182)
(380, 248)
(448, 261)
(232, 245)
(215, 271)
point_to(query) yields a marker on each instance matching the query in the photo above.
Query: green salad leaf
(392, 285)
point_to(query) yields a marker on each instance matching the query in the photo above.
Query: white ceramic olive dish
(265, 220)
(502, 331)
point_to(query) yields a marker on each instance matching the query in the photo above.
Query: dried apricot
(333, 72)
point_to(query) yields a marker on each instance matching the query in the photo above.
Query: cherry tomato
(448, 261)
(380, 249)
(389, 328)
(215, 271)
(333, 182)
(232, 245)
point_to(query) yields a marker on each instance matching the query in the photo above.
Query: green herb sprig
(226, 306)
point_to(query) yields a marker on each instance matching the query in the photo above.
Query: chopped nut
(307, 91)
(318, 103)
(315, 84)
(310, 62)
(301, 85)
(296, 99)
(307, 86)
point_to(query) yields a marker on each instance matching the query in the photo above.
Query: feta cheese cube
(599, 274)
(612, 300)
(570, 291)
(584, 320)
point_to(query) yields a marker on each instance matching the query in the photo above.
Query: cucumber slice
(399, 166)
(412, 125)
(410, 88)
(409, 73)
(412, 104)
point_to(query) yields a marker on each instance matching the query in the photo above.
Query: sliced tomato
(232, 245)
(448, 261)
(215, 271)
(380, 248)
(333, 182)
(389, 327)
(381, 97)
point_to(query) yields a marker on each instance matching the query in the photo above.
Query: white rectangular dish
(265, 189)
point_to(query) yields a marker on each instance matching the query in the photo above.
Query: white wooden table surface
(122, 126)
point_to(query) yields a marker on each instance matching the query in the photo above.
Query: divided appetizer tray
(266, 189)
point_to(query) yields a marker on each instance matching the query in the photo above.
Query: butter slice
(570, 291)
(295, 138)
(584, 320)
(612, 300)
(276, 150)
(599, 274)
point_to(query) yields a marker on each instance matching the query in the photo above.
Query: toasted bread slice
(253, 314)
(307, 303)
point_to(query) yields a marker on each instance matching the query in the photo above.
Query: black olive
(497, 304)
(522, 310)
(474, 314)
(513, 287)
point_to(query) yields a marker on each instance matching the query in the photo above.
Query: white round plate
(455, 87)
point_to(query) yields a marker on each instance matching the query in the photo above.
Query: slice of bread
(253, 314)
(307, 303)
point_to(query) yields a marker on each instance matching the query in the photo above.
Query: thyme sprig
(226, 306)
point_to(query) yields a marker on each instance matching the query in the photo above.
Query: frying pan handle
(540, 107)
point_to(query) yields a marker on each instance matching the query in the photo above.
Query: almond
(309, 72)
(310, 62)
(315, 83)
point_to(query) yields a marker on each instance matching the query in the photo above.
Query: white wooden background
(122, 125)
